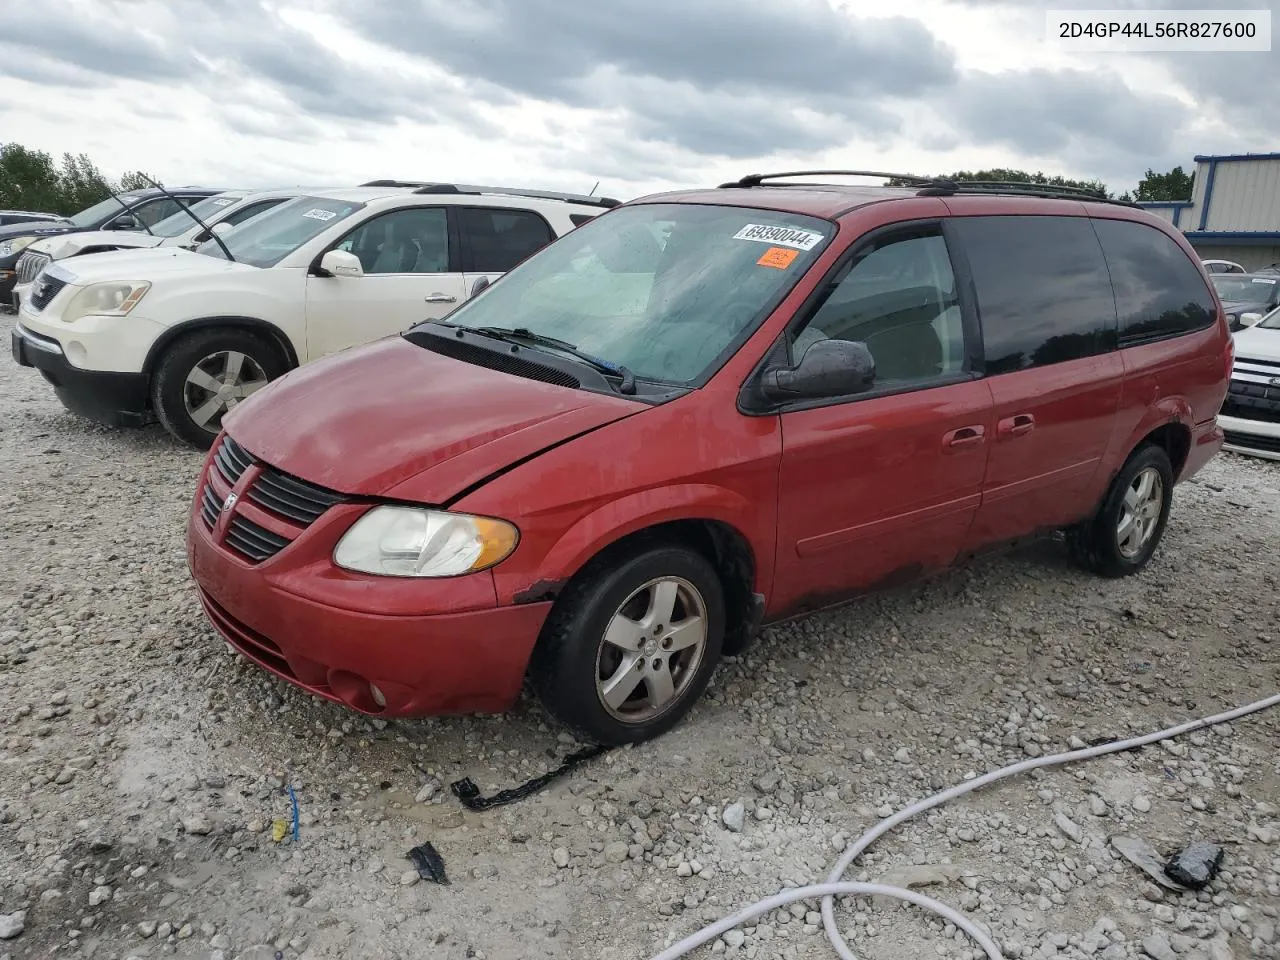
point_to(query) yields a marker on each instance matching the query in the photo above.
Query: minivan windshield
(666, 290)
(100, 213)
(1244, 289)
(265, 240)
(207, 210)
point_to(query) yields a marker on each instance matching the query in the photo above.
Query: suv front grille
(296, 503)
(30, 264)
(44, 291)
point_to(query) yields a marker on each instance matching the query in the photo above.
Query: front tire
(1120, 539)
(631, 644)
(203, 375)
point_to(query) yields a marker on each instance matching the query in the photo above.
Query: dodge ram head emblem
(230, 502)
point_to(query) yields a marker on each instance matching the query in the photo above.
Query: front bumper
(115, 399)
(334, 633)
(1259, 438)
(8, 280)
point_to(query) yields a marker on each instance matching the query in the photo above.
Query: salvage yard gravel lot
(142, 765)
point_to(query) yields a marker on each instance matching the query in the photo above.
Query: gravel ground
(141, 765)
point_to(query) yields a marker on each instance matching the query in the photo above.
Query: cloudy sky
(638, 94)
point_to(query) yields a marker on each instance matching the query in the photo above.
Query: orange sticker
(778, 257)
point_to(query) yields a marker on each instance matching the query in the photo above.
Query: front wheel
(631, 644)
(202, 376)
(1122, 536)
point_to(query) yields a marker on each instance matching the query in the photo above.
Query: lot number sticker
(779, 236)
(1262, 280)
(320, 214)
(778, 257)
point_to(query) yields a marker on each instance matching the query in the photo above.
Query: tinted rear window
(1044, 295)
(1159, 291)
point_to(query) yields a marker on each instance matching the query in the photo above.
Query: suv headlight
(9, 247)
(111, 299)
(419, 542)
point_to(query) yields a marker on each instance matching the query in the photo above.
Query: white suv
(179, 230)
(185, 336)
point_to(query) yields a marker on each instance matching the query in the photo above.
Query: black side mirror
(125, 221)
(829, 368)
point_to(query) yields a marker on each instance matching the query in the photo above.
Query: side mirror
(222, 228)
(829, 368)
(1249, 319)
(340, 263)
(126, 221)
(480, 285)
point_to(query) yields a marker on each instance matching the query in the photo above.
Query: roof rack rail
(1018, 188)
(425, 186)
(757, 179)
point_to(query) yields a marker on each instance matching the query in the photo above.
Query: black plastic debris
(1195, 865)
(466, 790)
(428, 862)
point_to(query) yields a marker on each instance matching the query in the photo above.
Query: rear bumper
(116, 399)
(1206, 441)
(422, 664)
(1259, 438)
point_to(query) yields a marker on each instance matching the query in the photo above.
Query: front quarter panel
(694, 458)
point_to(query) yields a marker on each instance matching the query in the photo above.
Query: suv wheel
(1125, 532)
(204, 375)
(631, 644)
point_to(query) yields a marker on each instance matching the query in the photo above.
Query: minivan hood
(63, 245)
(1258, 343)
(394, 419)
(153, 263)
(36, 229)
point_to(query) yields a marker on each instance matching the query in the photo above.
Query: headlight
(9, 247)
(112, 299)
(417, 542)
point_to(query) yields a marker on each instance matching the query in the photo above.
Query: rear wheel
(204, 375)
(631, 644)
(1122, 536)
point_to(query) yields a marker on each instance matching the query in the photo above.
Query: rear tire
(203, 375)
(1120, 539)
(631, 644)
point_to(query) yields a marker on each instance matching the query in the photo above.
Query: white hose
(834, 887)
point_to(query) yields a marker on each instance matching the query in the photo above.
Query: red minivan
(701, 412)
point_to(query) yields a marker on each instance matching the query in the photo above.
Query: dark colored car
(135, 210)
(10, 217)
(701, 412)
(1241, 293)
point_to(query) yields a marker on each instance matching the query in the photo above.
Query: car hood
(154, 263)
(1257, 343)
(34, 230)
(396, 420)
(62, 245)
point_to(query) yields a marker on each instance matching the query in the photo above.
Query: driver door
(882, 486)
(411, 274)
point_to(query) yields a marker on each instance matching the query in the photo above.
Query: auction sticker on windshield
(778, 257)
(1263, 280)
(779, 236)
(320, 214)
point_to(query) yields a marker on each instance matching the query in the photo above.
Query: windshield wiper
(188, 211)
(517, 334)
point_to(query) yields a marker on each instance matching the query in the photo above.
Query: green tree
(1006, 175)
(82, 182)
(136, 180)
(1174, 185)
(28, 180)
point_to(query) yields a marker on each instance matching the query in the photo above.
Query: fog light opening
(378, 696)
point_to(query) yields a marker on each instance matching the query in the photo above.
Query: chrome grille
(30, 264)
(44, 291)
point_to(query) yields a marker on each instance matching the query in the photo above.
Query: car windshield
(1271, 321)
(1245, 289)
(99, 213)
(208, 210)
(265, 240)
(666, 290)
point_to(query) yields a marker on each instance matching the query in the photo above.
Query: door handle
(1017, 425)
(441, 298)
(963, 437)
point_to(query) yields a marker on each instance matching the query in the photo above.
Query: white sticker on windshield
(1262, 280)
(779, 236)
(318, 214)
(223, 202)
